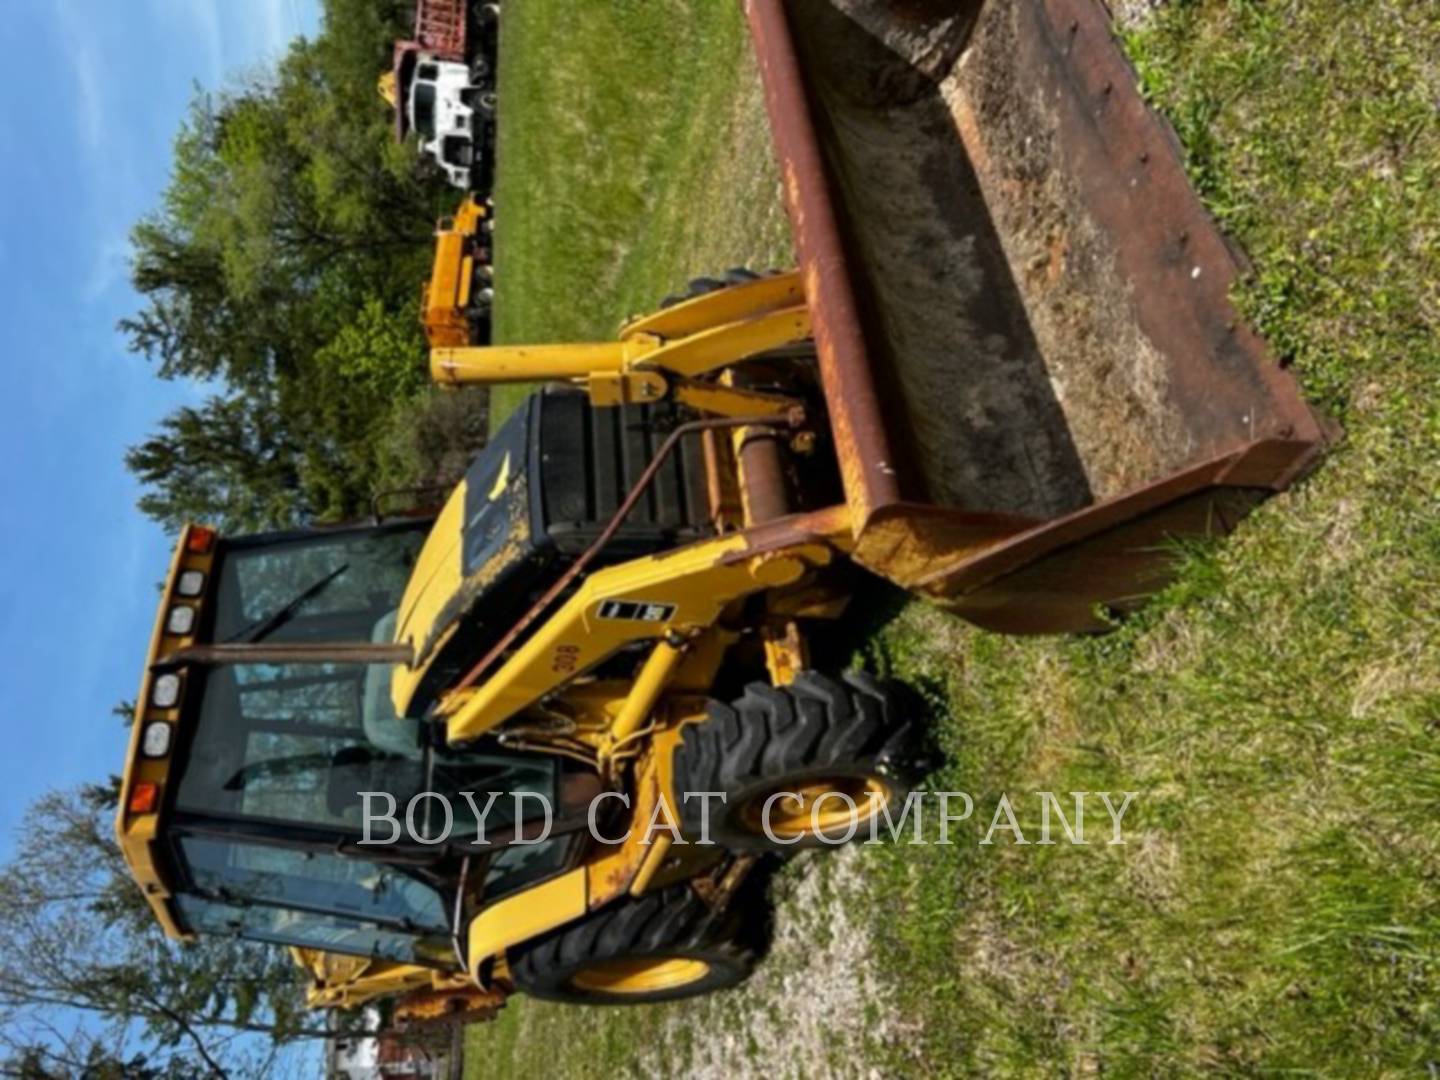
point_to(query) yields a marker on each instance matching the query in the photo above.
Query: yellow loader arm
(660, 355)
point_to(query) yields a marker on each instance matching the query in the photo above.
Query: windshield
(340, 585)
(422, 109)
(330, 933)
(457, 151)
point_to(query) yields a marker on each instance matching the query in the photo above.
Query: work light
(181, 620)
(156, 740)
(166, 691)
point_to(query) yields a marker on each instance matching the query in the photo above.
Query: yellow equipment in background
(455, 304)
(389, 89)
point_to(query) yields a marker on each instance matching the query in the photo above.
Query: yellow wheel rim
(791, 817)
(641, 975)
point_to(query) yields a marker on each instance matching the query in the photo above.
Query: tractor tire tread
(672, 921)
(769, 735)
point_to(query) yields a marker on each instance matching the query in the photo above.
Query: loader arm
(660, 356)
(670, 599)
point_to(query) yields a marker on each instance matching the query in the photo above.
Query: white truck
(442, 87)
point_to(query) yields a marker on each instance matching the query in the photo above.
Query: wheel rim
(790, 819)
(641, 975)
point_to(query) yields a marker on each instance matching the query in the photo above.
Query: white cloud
(276, 26)
(107, 159)
(259, 32)
(232, 36)
(82, 52)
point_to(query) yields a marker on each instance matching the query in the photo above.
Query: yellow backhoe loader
(1005, 376)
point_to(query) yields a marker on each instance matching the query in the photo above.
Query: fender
(525, 915)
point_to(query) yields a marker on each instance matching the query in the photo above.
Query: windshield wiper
(263, 628)
(273, 768)
(299, 764)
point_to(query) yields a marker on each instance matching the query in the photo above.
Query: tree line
(281, 270)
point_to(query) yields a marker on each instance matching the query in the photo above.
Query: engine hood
(535, 499)
(480, 538)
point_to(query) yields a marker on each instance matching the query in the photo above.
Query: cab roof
(140, 815)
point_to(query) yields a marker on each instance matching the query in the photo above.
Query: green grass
(1278, 710)
(634, 157)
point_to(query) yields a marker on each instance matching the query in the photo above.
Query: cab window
(286, 742)
(294, 743)
(329, 587)
(282, 926)
(523, 864)
(313, 880)
(423, 109)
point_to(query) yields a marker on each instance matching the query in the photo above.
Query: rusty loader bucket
(1035, 377)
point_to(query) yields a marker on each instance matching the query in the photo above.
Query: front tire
(818, 761)
(660, 947)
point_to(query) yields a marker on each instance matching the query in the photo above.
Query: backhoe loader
(1006, 376)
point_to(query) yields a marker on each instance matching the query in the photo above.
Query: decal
(502, 481)
(636, 611)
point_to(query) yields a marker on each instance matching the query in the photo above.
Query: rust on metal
(867, 466)
(763, 488)
(719, 888)
(820, 530)
(1125, 161)
(906, 541)
(1034, 372)
(579, 566)
(422, 1010)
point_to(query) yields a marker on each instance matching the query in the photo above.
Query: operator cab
(255, 819)
(269, 703)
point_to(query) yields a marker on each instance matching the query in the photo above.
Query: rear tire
(819, 738)
(660, 947)
(700, 286)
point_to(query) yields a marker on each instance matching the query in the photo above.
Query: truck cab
(451, 109)
(457, 301)
(442, 87)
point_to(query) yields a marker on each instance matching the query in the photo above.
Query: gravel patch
(814, 1007)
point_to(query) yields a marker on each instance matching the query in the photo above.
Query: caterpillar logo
(636, 611)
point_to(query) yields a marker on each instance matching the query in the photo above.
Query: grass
(634, 158)
(1277, 710)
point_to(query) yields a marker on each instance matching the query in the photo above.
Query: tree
(86, 974)
(230, 462)
(294, 233)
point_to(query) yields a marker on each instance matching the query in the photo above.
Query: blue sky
(97, 91)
